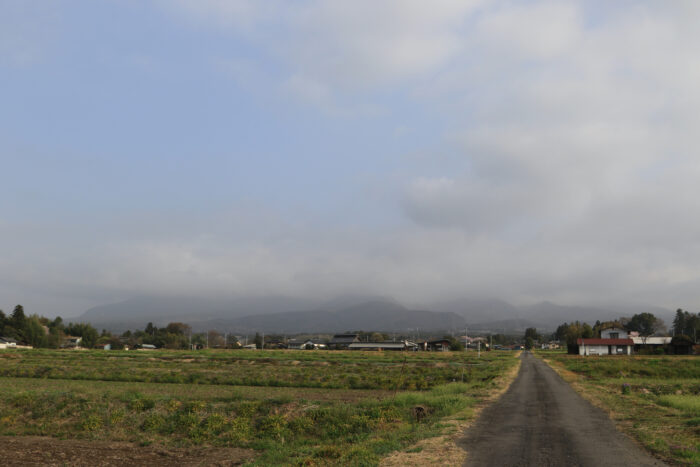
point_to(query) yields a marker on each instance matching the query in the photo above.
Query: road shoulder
(447, 450)
(624, 416)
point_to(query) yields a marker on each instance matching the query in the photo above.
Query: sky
(521, 150)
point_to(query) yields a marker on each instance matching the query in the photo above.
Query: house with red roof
(612, 341)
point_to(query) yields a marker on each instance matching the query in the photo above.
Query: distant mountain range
(281, 314)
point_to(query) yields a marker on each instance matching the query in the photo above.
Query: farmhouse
(649, 344)
(617, 341)
(342, 341)
(308, 344)
(439, 345)
(605, 346)
(72, 342)
(403, 345)
(614, 333)
(6, 342)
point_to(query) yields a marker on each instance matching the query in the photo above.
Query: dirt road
(541, 421)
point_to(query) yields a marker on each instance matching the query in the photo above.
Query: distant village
(640, 334)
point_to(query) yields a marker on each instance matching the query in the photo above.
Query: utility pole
(478, 346)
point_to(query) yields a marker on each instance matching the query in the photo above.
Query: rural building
(6, 342)
(148, 347)
(643, 344)
(342, 341)
(72, 342)
(403, 345)
(307, 344)
(293, 344)
(439, 345)
(607, 346)
(649, 344)
(275, 344)
(614, 333)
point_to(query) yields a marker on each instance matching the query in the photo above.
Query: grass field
(655, 399)
(291, 407)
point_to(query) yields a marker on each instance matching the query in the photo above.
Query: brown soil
(35, 451)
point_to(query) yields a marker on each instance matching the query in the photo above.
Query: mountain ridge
(345, 313)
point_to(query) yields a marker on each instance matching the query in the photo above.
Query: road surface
(541, 421)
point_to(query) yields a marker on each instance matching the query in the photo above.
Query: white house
(72, 342)
(606, 346)
(6, 342)
(401, 345)
(651, 340)
(308, 344)
(614, 333)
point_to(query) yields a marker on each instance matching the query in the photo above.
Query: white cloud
(330, 48)
(572, 128)
(530, 31)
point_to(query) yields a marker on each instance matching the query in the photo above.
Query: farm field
(655, 399)
(269, 407)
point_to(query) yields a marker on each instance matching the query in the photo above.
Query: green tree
(570, 332)
(3, 321)
(55, 337)
(34, 333)
(377, 337)
(532, 334)
(529, 343)
(692, 325)
(258, 341)
(586, 331)
(178, 328)
(455, 344)
(679, 322)
(18, 321)
(646, 324)
(86, 331)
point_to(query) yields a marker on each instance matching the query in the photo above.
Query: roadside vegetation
(655, 399)
(292, 407)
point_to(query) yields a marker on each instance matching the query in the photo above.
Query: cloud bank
(550, 151)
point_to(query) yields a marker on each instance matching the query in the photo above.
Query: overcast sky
(424, 150)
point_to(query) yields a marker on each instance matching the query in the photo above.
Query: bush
(91, 423)
(153, 423)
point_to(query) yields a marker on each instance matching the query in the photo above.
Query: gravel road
(541, 421)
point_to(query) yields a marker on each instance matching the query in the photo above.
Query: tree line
(686, 326)
(41, 332)
(686, 323)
